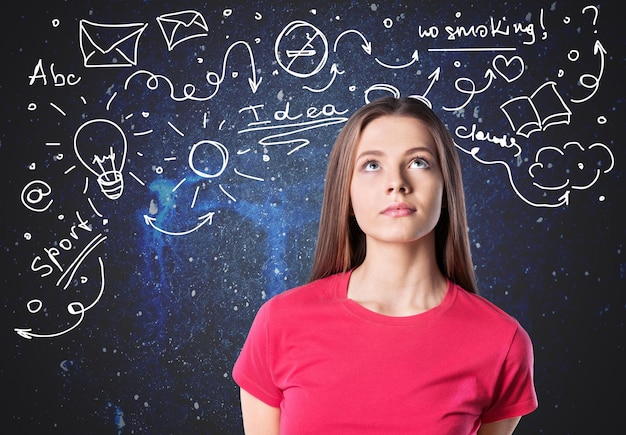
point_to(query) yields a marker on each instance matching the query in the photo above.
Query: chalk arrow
(203, 219)
(590, 81)
(366, 46)
(334, 70)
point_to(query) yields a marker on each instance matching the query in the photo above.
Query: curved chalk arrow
(253, 82)
(204, 219)
(334, 71)
(73, 308)
(598, 48)
(562, 200)
(367, 46)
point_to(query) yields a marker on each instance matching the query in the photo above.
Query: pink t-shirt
(332, 366)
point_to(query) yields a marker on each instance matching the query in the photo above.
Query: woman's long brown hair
(341, 243)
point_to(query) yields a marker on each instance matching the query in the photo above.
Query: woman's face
(397, 185)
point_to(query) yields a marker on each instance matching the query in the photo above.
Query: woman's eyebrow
(378, 153)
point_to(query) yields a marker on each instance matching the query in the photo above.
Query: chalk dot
(566, 20)
(602, 120)
(32, 166)
(61, 217)
(457, 63)
(104, 349)
(146, 404)
(458, 15)
(136, 396)
(200, 60)
(56, 22)
(28, 236)
(258, 16)
(227, 12)
(266, 158)
(561, 73)
(601, 198)
(32, 106)
(196, 405)
(388, 22)
(145, 114)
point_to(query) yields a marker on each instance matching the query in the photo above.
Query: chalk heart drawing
(510, 69)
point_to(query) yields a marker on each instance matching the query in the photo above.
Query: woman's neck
(398, 280)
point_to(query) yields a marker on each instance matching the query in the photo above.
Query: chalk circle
(457, 63)
(32, 106)
(573, 55)
(34, 305)
(28, 236)
(602, 120)
(301, 49)
(566, 20)
(56, 22)
(561, 73)
(227, 12)
(388, 23)
(206, 146)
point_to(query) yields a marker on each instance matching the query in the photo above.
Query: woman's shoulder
(479, 307)
(321, 290)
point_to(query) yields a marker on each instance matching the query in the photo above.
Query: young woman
(390, 335)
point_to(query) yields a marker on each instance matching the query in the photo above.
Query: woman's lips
(398, 210)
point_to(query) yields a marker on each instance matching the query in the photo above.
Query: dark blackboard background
(160, 342)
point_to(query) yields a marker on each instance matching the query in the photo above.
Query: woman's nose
(397, 183)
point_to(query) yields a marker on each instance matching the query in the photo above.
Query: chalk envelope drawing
(109, 45)
(181, 26)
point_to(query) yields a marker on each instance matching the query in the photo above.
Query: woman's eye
(371, 166)
(419, 163)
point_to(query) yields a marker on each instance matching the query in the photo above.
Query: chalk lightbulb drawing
(101, 145)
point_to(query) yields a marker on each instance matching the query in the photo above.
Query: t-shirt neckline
(341, 289)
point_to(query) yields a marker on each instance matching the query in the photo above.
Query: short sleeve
(515, 394)
(253, 369)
